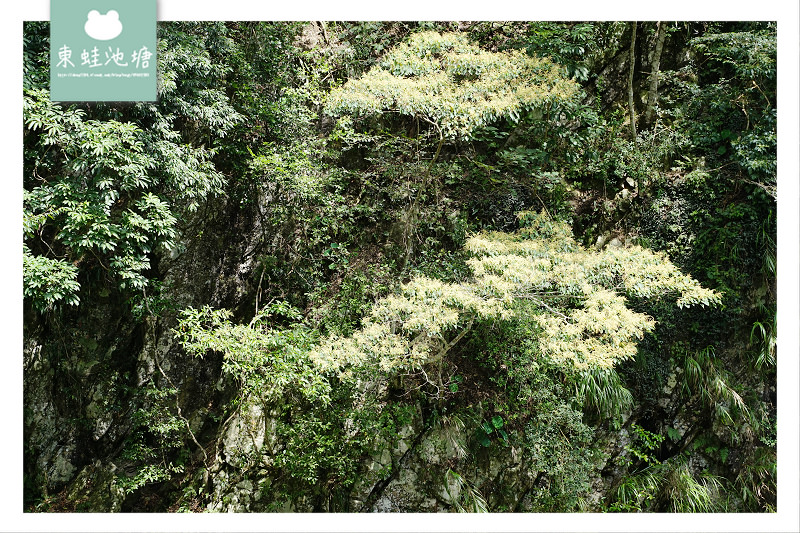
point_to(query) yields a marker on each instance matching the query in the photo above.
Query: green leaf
(504, 435)
(673, 434)
(723, 454)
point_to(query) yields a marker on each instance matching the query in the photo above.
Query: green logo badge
(103, 50)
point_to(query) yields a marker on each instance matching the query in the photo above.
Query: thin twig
(171, 384)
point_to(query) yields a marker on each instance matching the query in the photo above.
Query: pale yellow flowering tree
(453, 85)
(579, 296)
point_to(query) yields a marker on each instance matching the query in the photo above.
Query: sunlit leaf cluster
(94, 191)
(48, 282)
(270, 363)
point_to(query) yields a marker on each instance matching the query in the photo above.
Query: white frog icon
(103, 27)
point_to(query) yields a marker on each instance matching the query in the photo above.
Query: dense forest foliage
(407, 266)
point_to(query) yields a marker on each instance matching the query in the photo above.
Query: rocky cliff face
(85, 372)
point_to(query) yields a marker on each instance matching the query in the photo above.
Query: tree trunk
(631, 108)
(652, 93)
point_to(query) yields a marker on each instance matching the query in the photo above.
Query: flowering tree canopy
(579, 293)
(444, 79)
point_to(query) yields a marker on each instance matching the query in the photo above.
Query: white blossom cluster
(453, 84)
(579, 293)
